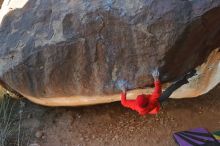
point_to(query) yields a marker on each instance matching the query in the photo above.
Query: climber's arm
(157, 89)
(127, 103)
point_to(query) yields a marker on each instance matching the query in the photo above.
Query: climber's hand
(124, 90)
(122, 85)
(156, 74)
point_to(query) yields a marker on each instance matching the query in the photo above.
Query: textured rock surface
(75, 49)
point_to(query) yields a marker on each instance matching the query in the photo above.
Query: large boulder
(74, 52)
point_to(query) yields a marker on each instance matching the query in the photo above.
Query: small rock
(172, 119)
(34, 144)
(38, 134)
(101, 139)
(81, 138)
(131, 129)
(29, 116)
(116, 136)
(43, 137)
(78, 116)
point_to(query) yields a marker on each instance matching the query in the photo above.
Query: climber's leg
(166, 94)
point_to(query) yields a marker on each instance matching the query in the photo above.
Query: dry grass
(11, 120)
(7, 126)
(11, 133)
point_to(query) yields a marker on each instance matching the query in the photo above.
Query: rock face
(76, 49)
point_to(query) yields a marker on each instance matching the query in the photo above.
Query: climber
(150, 103)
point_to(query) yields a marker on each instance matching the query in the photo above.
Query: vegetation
(7, 122)
(10, 121)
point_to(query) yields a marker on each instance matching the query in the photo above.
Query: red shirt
(153, 105)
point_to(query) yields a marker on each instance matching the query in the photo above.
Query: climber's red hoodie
(144, 104)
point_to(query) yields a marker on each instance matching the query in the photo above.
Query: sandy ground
(111, 124)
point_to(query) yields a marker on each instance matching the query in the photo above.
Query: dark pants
(166, 94)
(184, 80)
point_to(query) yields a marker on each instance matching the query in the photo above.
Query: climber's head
(142, 100)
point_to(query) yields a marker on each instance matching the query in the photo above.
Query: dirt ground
(111, 124)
